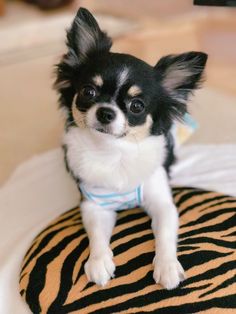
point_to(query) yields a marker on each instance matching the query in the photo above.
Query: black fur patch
(76, 178)
(170, 158)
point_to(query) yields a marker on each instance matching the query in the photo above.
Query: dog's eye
(136, 106)
(88, 92)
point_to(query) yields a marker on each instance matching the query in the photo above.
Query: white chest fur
(101, 160)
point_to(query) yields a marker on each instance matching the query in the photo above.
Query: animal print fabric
(52, 278)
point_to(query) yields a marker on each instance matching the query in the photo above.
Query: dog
(118, 145)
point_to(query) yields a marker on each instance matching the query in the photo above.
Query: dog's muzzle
(105, 115)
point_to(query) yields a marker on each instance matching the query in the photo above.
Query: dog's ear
(181, 74)
(85, 37)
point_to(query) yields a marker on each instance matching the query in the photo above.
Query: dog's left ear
(181, 74)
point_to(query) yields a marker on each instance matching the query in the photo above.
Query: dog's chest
(112, 163)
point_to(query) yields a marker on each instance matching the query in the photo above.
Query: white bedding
(40, 190)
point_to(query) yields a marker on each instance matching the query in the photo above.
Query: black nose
(105, 115)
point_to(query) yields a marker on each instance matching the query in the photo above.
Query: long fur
(119, 112)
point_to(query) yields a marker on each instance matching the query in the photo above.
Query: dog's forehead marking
(123, 76)
(134, 90)
(97, 79)
(121, 80)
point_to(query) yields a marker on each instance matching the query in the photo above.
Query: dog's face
(112, 97)
(120, 95)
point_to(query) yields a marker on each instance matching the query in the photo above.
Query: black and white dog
(118, 146)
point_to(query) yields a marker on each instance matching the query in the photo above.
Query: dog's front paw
(100, 269)
(168, 272)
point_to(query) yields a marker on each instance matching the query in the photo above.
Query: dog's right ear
(85, 36)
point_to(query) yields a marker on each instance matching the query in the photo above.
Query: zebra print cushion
(53, 281)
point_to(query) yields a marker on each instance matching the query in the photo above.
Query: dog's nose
(105, 115)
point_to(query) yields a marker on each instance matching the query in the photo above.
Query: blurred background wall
(32, 40)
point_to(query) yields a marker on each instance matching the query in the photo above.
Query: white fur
(159, 205)
(121, 80)
(99, 224)
(118, 164)
(100, 159)
(122, 77)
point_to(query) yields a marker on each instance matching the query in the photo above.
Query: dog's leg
(99, 224)
(159, 205)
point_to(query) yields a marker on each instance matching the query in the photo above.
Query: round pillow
(52, 278)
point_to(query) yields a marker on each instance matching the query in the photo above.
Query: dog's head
(118, 94)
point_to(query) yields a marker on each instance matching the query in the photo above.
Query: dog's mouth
(103, 131)
(106, 131)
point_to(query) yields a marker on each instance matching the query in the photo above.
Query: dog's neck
(108, 162)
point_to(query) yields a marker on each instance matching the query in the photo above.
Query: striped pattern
(110, 200)
(53, 281)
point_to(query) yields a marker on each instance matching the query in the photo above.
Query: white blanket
(40, 190)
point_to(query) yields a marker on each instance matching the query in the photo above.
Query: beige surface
(29, 121)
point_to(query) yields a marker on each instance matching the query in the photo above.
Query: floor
(29, 121)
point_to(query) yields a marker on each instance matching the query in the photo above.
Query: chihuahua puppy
(118, 143)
